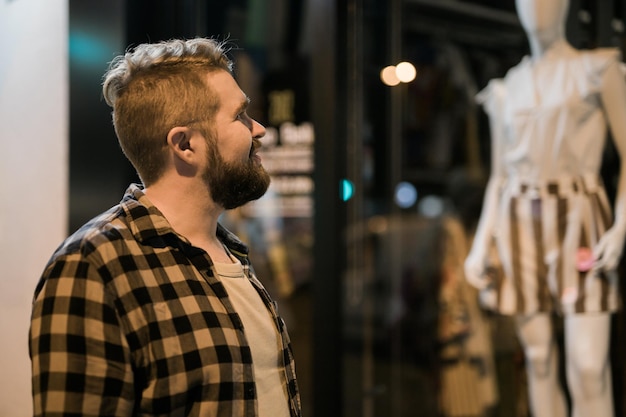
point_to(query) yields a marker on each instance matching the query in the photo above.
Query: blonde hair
(155, 87)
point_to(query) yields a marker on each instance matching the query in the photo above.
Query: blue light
(347, 189)
(87, 49)
(405, 195)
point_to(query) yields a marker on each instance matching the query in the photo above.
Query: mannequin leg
(587, 340)
(544, 388)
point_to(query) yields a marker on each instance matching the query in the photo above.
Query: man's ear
(179, 141)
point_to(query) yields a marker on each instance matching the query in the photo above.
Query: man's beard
(234, 184)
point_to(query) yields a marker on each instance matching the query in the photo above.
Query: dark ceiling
(487, 23)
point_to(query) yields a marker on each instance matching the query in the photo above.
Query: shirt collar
(146, 222)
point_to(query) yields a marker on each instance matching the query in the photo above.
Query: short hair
(155, 87)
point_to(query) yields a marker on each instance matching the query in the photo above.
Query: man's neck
(192, 213)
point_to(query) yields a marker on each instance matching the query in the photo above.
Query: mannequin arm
(609, 249)
(478, 257)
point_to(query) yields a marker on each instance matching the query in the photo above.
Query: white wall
(33, 174)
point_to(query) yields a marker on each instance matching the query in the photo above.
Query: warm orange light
(388, 76)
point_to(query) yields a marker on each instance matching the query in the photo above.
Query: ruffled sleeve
(491, 98)
(597, 61)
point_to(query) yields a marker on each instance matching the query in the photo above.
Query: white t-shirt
(263, 337)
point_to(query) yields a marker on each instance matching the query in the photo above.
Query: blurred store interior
(376, 188)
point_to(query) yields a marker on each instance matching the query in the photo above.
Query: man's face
(234, 173)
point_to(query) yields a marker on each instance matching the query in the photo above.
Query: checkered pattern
(129, 320)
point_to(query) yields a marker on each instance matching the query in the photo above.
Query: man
(152, 308)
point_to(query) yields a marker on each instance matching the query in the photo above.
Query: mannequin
(545, 212)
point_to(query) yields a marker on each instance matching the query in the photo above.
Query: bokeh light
(388, 76)
(406, 72)
(405, 195)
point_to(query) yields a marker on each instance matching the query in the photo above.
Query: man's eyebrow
(244, 105)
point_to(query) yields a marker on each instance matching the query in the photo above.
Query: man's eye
(245, 119)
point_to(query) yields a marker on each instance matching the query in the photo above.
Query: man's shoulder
(92, 245)
(103, 229)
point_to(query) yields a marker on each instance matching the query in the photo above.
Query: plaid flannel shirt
(129, 320)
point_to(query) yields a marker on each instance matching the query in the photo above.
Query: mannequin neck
(540, 44)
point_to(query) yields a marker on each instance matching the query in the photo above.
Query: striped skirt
(542, 234)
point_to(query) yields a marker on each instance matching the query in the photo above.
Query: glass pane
(417, 341)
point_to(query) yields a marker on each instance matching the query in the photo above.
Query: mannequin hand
(475, 269)
(487, 299)
(608, 251)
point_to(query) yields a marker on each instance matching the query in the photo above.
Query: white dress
(549, 131)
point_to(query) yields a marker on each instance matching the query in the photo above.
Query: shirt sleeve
(79, 355)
